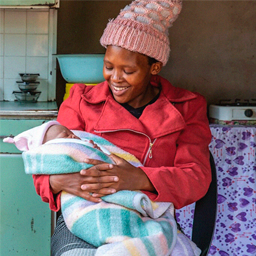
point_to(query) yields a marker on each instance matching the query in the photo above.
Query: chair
(205, 215)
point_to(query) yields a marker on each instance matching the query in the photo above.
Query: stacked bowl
(27, 86)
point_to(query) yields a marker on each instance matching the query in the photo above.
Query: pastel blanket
(124, 223)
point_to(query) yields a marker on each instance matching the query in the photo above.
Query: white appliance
(234, 111)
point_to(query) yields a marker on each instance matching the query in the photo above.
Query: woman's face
(128, 75)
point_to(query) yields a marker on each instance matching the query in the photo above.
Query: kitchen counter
(24, 110)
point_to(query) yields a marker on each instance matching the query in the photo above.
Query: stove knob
(248, 112)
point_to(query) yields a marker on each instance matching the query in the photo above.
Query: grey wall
(212, 44)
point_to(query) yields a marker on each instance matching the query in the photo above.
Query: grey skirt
(64, 243)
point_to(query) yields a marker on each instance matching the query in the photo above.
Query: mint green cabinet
(27, 2)
(25, 221)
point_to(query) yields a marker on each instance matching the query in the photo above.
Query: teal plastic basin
(81, 68)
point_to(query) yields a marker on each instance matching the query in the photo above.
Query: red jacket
(170, 138)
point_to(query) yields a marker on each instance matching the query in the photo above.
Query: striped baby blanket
(125, 223)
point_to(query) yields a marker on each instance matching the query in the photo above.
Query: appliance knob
(248, 112)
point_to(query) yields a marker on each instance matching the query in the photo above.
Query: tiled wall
(27, 42)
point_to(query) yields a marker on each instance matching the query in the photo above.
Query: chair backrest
(205, 215)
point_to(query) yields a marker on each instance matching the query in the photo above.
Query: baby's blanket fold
(120, 217)
(61, 156)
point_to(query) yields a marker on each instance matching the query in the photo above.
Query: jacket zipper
(149, 153)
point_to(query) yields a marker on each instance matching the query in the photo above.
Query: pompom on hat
(143, 27)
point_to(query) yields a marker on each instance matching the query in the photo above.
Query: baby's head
(58, 131)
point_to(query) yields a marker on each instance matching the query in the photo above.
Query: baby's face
(58, 131)
(66, 133)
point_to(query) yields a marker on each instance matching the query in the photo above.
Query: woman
(165, 127)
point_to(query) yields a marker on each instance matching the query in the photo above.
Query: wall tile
(37, 45)
(1, 89)
(37, 65)
(15, 21)
(1, 44)
(10, 86)
(14, 45)
(1, 67)
(37, 22)
(2, 21)
(13, 66)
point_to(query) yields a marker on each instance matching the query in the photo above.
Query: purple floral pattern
(234, 152)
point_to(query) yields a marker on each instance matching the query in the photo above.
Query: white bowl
(27, 96)
(29, 77)
(28, 86)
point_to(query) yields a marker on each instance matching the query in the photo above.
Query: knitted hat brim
(136, 40)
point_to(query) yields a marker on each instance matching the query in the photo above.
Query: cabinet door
(27, 2)
(25, 221)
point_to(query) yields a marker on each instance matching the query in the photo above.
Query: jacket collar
(173, 94)
(115, 117)
(97, 94)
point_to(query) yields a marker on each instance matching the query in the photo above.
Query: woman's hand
(124, 177)
(71, 183)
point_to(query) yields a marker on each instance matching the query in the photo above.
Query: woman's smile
(119, 91)
(119, 88)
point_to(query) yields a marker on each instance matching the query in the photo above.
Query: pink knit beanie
(143, 27)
